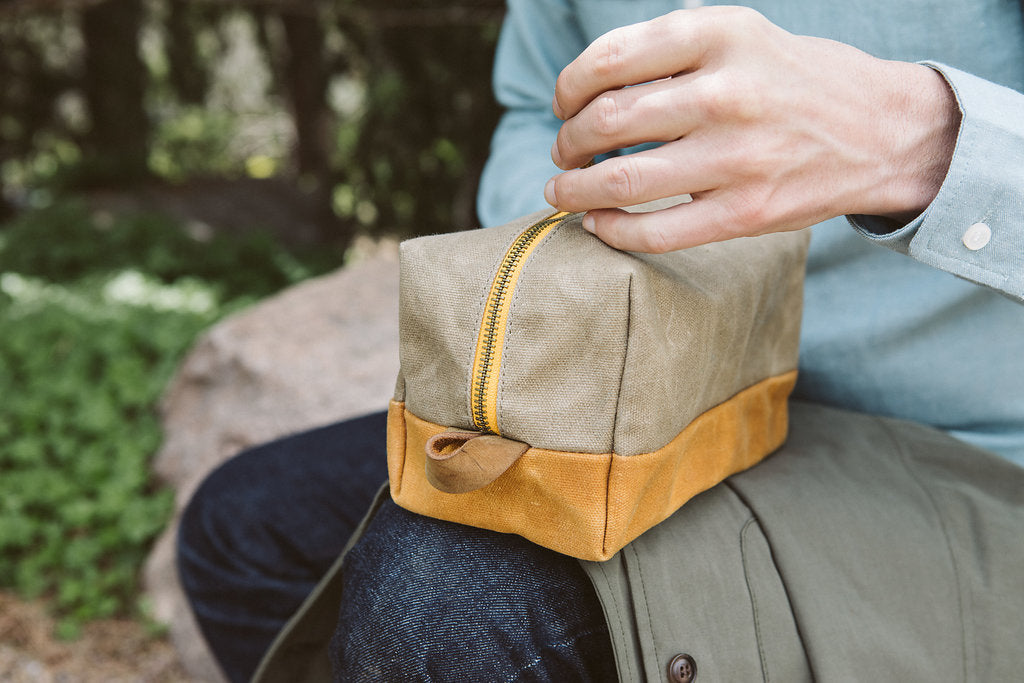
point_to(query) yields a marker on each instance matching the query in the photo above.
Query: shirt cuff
(974, 228)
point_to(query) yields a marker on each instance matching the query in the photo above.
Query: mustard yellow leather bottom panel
(590, 505)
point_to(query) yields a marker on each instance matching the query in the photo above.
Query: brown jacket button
(682, 669)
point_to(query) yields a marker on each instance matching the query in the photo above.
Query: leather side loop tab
(460, 462)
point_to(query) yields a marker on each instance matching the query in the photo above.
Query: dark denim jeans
(425, 600)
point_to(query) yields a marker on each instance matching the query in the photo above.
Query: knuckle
(676, 23)
(611, 49)
(623, 182)
(749, 213)
(711, 96)
(737, 19)
(728, 97)
(563, 190)
(607, 116)
(657, 238)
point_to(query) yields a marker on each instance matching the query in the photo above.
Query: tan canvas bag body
(577, 395)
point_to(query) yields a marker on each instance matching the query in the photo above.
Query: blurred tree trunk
(433, 129)
(306, 80)
(6, 210)
(188, 76)
(28, 91)
(114, 82)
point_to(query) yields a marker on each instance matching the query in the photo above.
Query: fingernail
(588, 223)
(549, 192)
(554, 155)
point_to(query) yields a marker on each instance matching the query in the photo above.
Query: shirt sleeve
(538, 39)
(974, 228)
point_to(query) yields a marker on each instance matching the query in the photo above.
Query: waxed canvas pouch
(577, 395)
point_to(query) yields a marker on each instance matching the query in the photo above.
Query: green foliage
(80, 377)
(193, 143)
(94, 321)
(65, 242)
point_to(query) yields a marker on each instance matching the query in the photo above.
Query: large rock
(321, 351)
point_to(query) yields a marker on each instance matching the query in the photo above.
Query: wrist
(922, 122)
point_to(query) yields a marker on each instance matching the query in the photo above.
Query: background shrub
(92, 330)
(375, 117)
(378, 113)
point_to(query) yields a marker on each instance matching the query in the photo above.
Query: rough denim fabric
(265, 526)
(430, 600)
(427, 600)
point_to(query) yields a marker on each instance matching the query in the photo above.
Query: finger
(653, 112)
(700, 221)
(673, 169)
(630, 55)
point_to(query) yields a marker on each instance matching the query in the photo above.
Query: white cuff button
(977, 236)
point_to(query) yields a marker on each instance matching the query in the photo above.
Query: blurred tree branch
(388, 101)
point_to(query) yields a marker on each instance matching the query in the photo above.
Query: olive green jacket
(864, 549)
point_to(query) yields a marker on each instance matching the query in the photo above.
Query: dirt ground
(109, 651)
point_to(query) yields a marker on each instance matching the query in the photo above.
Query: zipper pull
(463, 461)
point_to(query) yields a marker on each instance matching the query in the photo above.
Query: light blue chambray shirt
(892, 325)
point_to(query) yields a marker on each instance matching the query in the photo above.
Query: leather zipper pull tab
(460, 461)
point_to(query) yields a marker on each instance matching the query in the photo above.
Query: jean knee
(202, 523)
(217, 524)
(443, 600)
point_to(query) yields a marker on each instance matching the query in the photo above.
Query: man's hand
(766, 130)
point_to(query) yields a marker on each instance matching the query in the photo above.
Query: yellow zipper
(483, 394)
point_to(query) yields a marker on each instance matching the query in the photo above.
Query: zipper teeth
(483, 394)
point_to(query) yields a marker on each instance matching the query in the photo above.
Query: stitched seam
(403, 421)
(516, 296)
(615, 417)
(782, 578)
(903, 458)
(480, 310)
(753, 599)
(647, 604)
(607, 502)
(620, 609)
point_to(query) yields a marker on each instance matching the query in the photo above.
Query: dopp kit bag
(577, 395)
